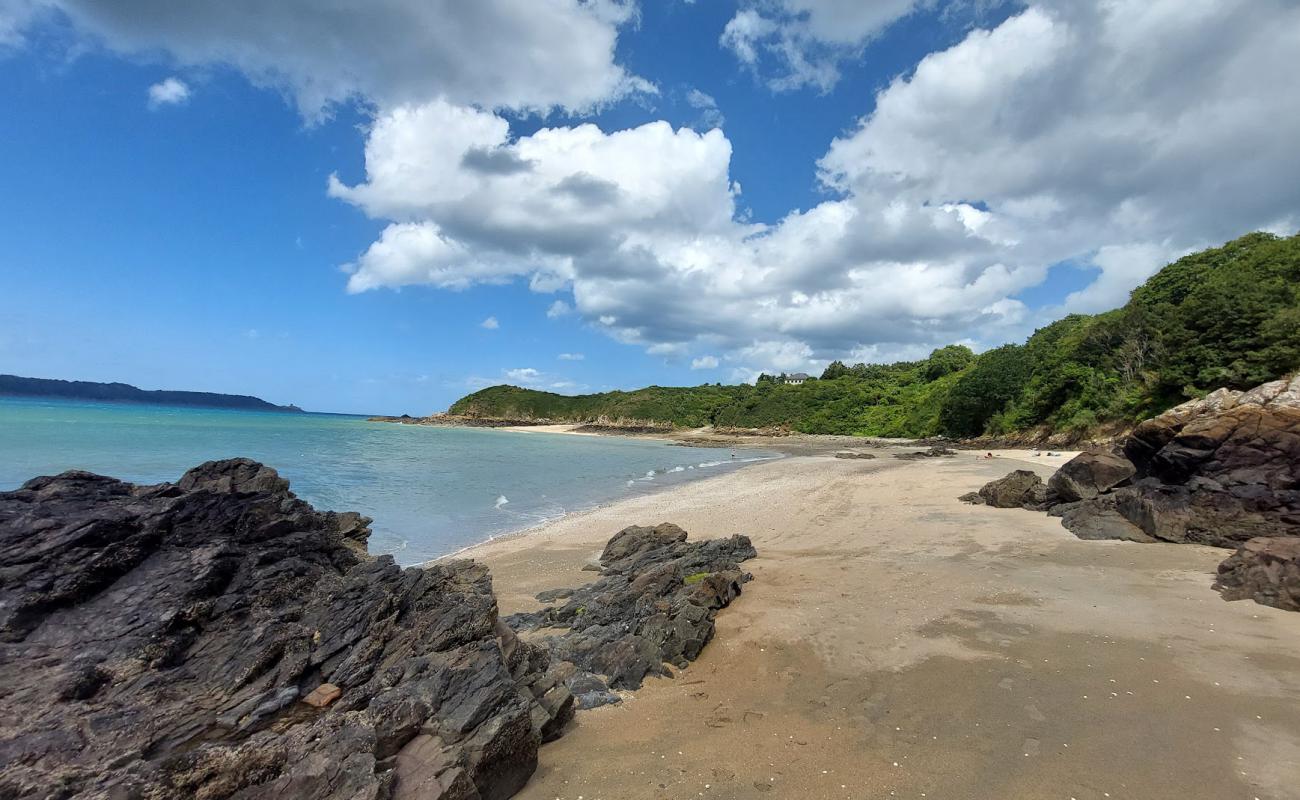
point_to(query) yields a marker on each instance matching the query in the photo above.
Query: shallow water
(431, 491)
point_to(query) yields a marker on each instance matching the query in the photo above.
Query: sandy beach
(898, 643)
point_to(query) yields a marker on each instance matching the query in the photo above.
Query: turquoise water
(431, 491)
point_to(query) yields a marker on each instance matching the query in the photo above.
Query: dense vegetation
(15, 386)
(1228, 316)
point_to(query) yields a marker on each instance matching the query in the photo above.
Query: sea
(430, 490)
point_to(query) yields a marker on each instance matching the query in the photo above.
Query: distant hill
(1228, 316)
(15, 386)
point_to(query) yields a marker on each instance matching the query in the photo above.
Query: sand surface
(897, 643)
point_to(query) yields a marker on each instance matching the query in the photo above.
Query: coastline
(896, 640)
(787, 443)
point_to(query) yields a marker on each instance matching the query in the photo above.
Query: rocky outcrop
(1099, 518)
(1013, 491)
(653, 604)
(1223, 470)
(1089, 474)
(1220, 471)
(938, 451)
(220, 638)
(1266, 570)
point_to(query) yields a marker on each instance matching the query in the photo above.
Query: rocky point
(220, 638)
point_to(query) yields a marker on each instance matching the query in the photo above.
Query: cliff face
(220, 638)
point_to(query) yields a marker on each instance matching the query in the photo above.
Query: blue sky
(881, 182)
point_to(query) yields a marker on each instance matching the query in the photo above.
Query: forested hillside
(1228, 316)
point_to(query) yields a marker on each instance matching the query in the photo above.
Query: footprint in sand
(1035, 714)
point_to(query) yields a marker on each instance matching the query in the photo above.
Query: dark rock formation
(1099, 518)
(220, 638)
(1012, 491)
(1266, 570)
(1219, 471)
(1089, 474)
(654, 602)
(854, 454)
(1223, 470)
(938, 451)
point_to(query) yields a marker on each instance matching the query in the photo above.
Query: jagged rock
(1099, 518)
(654, 603)
(1221, 478)
(1040, 498)
(1266, 570)
(1152, 435)
(973, 498)
(854, 454)
(234, 475)
(1011, 491)
(1089, 474)
(1220, 471)
(159, 641)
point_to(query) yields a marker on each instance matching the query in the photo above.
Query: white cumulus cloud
(705, 362)
(490, 324)
(1112, 134)
(1056, 135)
(571, 356)
(524, 376)
(169, 92)
(520, 54)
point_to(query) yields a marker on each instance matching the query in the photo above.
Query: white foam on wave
(677, 469)
(651, 474)
(501, 500)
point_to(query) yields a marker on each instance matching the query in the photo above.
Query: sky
(379, 207)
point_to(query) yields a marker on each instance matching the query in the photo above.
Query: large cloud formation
(520, 54)
(1114, 135)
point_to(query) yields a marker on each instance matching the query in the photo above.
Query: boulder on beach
(1089, 474)
(1266, 570)
(221, 638)
(1012, 491)
(654, 604)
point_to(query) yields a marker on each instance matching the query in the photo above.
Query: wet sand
(898, 643)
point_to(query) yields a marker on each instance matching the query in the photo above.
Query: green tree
(835, 369)
(945, 361)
